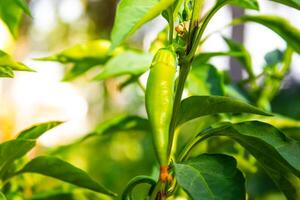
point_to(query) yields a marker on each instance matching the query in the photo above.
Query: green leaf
(276, 153)
(249, 4)
(132, 14)
(245, 60)
(95, 52)
(37, 130)
(78, 69)
(54, 196)
(22, 4)
(11, 151)
(203, 58)
(211, 177)
(291, 3)
(124, 123)
(8, 62)
(277, 24)
(205, 80)
(134, 182)
(129, 62)
(11, 13)
(6, 72)
(197, 106)
(61, 170)
(2, 196)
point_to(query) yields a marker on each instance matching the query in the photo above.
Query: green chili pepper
(159, 100)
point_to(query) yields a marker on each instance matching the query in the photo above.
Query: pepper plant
(214, 110)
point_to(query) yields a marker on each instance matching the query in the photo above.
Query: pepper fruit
(159, 103)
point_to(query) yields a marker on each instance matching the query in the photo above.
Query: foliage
(216, 109)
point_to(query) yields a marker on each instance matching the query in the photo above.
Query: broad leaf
(78, 69)
(245, 60)
(129, 62)
(276, 153)
(59, 169)
(291, 3)
(7, 63)
(197, 106)
(92, 51)
(277, 24)
(127, 193)
(132, 14)
(203, 58)
(121, 123)
(54, 196)
(11, 151)
(205, 80)
(211, 177)
(37, 130)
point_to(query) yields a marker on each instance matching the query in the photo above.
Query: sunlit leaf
(211, 177)
(37, 130)
(61, 170)
(93, 51)
(132, 14)
(277, 24)
(6, 61)
(129, 62)
(249, 4)
(291, 3)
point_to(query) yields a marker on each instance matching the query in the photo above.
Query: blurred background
(30, 98)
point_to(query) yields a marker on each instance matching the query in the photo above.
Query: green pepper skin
(159, 100)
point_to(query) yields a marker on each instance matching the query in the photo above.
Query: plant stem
(158, 190)
(202, 28)
(183, 73)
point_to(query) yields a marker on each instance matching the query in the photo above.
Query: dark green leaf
(291, 3)
(129, 62)
(245, 60)
(205, 80)
(134, 182)
(11, 151)
(276, 153)
(132, 14)
(211, 177)
(54, 196)
(277, 24)
(59, 169)
(197, 106)
(37, 130)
